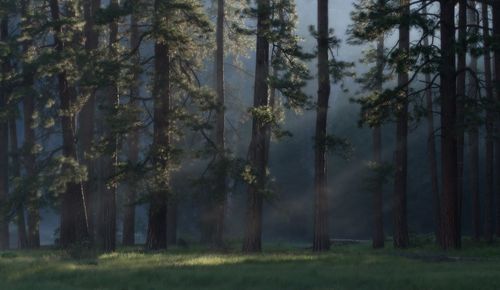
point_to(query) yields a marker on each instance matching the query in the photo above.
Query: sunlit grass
(344, 267)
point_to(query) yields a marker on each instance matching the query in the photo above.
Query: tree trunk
(473, 91)
(74, 226)
(489, 144)
(221, 191)
(108, 161)
(321, 240)
(172, 221)
(133, 141)
(87, 116)
(401, 239)
(4, 146)
(431, 148)
(461, 97)
(157, 226)
(21, 223)
(378, 192)
(496, 51)
(449, 207)
(258, 154)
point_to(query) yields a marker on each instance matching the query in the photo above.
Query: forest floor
(476, 266)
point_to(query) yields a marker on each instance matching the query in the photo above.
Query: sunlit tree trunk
(400, 238)
(74, 227)
(258, 154)
(449, 207)
(321, 239)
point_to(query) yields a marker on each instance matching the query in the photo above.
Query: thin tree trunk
(449, 207)
(4, 146)
(321, 240)
(489, 159)
(461, 97)
(496, 51)
(378, 192)
(108, 161)
(87, 116)
(221, 191)
(401, 239)
(22, 239)
(74, 226)
(258, 154)
(472, 20)
(431, 139)
(157, 226)
(133, 141)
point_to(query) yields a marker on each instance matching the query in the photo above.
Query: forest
(249, 144)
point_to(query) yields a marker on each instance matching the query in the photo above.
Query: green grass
(344, 267)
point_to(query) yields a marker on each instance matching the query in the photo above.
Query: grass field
(344, 267)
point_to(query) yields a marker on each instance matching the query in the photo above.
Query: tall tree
(496, 52)
(133, 138)
(74, 226)
(401, 239)
(258, 154)
(321, 239)
(473, 132)
(4, 136)
(489, 144)
(108, 161)
(431, 144)
(86, 117)
(449, 154)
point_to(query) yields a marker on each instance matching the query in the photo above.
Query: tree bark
(473, 91)
(258, 154)
(172, 221)
(86, 118)
(108, 161)
(496, 52)
(4, 145)
(321, 240)
(74, 226)
(22, 239)
(489, 144)
(449, 215)
(157, 226)
(132, 140)
(401, 239)
(378, 192)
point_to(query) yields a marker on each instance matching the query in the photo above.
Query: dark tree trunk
(401, 239)
(22, 239)
(108, 161)
(157, 226)
(172, 221)
(489, 150)
(4, 146)
(473, 91)
(431, 145)
(221, 190)
(496, 51)
(87, 116)
(258, 154)
(321, 240)
(378, 193)
(461, 97)
(74, 227)
(133, 142)
(449, 207)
